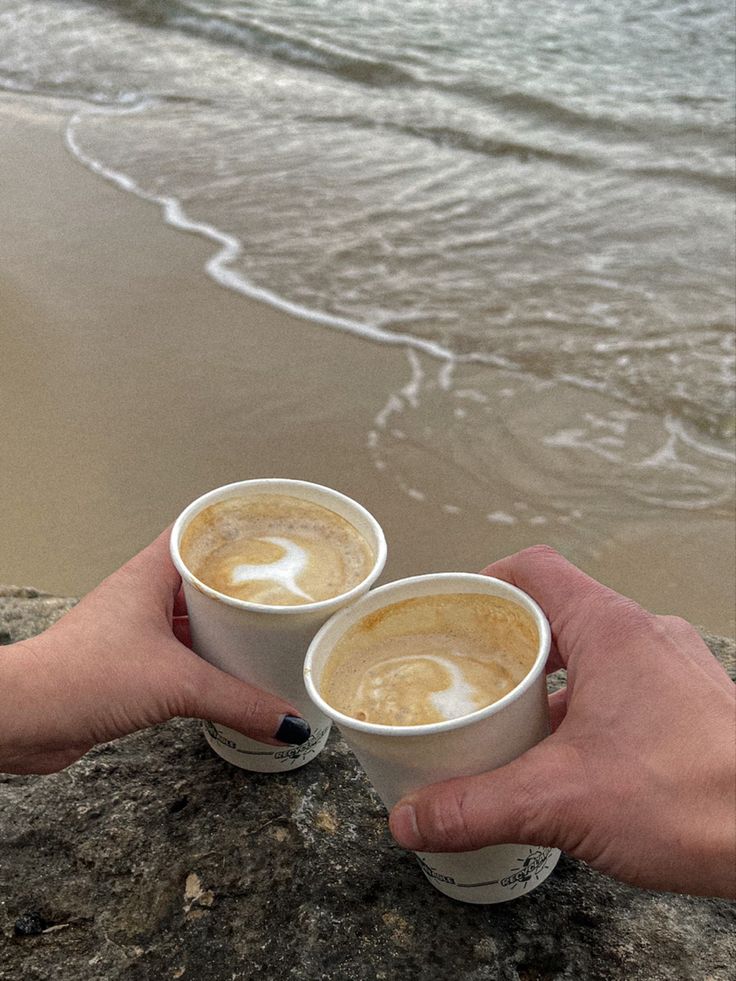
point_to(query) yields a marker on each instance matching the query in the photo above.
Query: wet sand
(131, 383)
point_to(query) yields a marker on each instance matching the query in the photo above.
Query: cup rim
(353, 612)
(276, 485)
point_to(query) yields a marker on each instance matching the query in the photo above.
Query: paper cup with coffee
(434, 677)
(264, 563)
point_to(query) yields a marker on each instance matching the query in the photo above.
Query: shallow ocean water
(538, 209)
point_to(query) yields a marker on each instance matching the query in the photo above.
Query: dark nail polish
(293, 730)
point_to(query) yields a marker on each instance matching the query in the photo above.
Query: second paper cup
(401, 759)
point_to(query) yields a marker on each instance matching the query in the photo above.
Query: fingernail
(404, 827)
(293, 730)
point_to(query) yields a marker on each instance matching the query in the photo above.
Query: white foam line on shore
(218, 266)
(414, 386)
(676, 428)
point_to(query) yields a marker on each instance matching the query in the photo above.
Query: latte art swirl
(430, 658)
(380, 687)
(283, 572)
(275, 550)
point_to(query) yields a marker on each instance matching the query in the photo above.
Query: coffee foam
(430, 658)
(275, 549)
(282, 572)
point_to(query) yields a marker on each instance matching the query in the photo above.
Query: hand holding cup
(117, 662)
(264, 563)
(637, 778)
(440, 676)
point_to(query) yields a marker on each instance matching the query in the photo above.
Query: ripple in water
(542, 217)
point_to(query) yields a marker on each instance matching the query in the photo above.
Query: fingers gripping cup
(436, 677)
(264, 563)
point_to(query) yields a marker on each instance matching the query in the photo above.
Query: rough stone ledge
(151, 859)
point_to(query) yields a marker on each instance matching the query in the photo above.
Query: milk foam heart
(275, 549)
(430, 658)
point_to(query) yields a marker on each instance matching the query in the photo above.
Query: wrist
(717, 847)
(705, 831)
(31, 738)
(15, 737)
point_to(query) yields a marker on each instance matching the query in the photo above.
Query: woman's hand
(119, 662)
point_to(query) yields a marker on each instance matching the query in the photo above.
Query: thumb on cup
(529, 800)
(219, 697)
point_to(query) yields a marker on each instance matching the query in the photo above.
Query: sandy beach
(131, 383)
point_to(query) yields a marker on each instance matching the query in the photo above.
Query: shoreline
(123, 357)
(217, 266)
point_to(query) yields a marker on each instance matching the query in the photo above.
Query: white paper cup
(400, 759)
(265, 645)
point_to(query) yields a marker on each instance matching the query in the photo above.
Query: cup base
(249, 754)
(496, 874)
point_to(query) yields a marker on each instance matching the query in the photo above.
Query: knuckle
(547, 800)
(443, 821)
(671, 622)
(254, 712)
(534, 813)
(536, 554)
(676, 628)
(623, 621)
(190, 689)
(635, 617)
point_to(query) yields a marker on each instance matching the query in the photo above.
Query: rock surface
(153, 859)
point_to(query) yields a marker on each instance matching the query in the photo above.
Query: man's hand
(119, 662)
(639, 775)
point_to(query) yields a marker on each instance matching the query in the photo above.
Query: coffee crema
(275, 549)
(430, 658)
